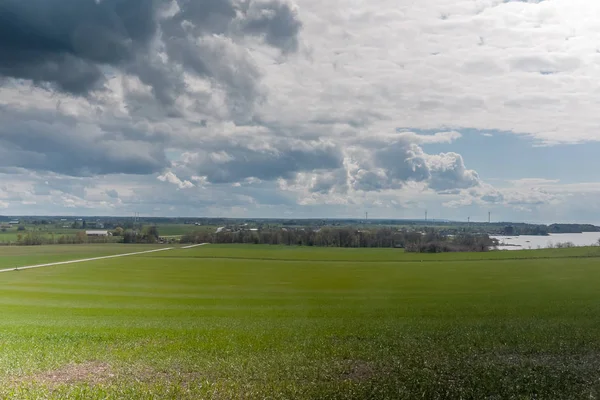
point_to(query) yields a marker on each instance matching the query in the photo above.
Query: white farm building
(97, 233)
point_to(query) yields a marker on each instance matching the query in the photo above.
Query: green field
(11, 234)
(16, 256)
(254, 322)
(182, 229)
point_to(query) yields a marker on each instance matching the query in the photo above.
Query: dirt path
(194, 245)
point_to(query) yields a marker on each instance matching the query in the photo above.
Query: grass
(182, 229)
(286, 253)
(274, 322)
(17, 256)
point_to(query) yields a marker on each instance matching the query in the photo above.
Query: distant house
(14, 222)
(97, 233)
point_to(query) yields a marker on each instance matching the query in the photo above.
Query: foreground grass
(179, 325)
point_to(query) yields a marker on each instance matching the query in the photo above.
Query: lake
(526, 242)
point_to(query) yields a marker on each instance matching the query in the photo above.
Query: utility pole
(425, 215)
(135, 221)
(489, 217)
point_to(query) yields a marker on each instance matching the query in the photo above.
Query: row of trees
(147, 235)
(545, 230)
(429, 241)
(34, 238)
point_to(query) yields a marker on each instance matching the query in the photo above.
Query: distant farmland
(175, 231)
(229, 322)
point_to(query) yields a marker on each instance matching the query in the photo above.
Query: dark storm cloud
(113, 194)
(403, 162)
(218, 58)
(277, 21)
(65, 42)
(234, 163)
(70, 44)
(74, 186)
(208, 17)
(46, 142)
(391, 166)
(334, 181)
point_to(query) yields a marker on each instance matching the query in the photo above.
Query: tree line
(147, 235)
(429, 241)
(34, 238)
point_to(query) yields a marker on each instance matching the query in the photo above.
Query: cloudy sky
(303, 108)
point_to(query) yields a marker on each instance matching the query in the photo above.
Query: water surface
(527, 242)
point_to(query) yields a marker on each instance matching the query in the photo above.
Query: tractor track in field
(193, 245)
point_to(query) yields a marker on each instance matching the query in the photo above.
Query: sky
(301, 108)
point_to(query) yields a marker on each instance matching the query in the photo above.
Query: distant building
(14, 222)
(219, 230)
(97, 233)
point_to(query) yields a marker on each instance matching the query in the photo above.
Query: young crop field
(255, 322)
(182, 229)
(18, 256)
